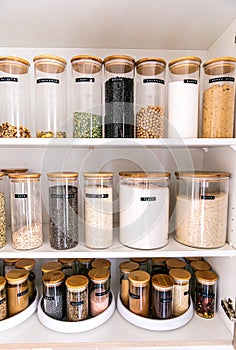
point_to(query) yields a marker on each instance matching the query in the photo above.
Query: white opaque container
(144, 209)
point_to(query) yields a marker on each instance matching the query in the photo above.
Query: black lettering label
(59, 196)
(148, 199)
(48, 80)
(85, 80)
(91, 195)
(156, 81)
(15, 80)
(21, 195)
(215, 80)
(101, 294)
(48, 298)
(208, 197)
(22, 293)
(77, 303)
(3, 301)
(134, 296)
(190, 81)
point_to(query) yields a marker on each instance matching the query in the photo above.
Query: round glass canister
(98, 209)
(68, 266)
(119, 96)
(201, 208)
(63, 209)
(50, 96)
(183, 97)
(28, 265)
(51, 266)
(206, 293)
(125, 268)
(99, 290)
(139, 292)
(143, 263)
(87, 96)
(54, 294)
(8, 265)
(150, 97)
(219, 97)
(174, 263)
(144, 209)
(14, 92)
(3, 299)
(26, 210)
(77, 298)
(84, 266)
(17, 291)
(3, 237)
(180, 291)
(162, 286)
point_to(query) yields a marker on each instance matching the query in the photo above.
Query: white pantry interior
(155, 28)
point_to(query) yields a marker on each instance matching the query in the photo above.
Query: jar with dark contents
(205, 304)
(8, 265)
(125, 268)
(200, 265)
(53, 301)
(158, 265)
(3, 298)
(84, 266)
(17, 291)
(28, 265)
(139, 292)
(162, 286)
(102, 263)
(174, 263)
(180, 291)
(77, 298)
(68, 266)
(143, 263)
(51, 266)
(99, 290)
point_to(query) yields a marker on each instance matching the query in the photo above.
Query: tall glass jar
(162, 286)
(144, 209)
(183, 97)
(77, 307)
(15, 118)
(54, 299)
(150, 97)
(119, 96)
(63, 209)
(17, 291)
(201, 208)
(99, 290)
(125, 268)
(206, 293)
(219, 97)
(87, 96)
(68, 266)
(3, 236)
(3, 299)
(28, 265)
(84, 266)
(139, 292)
(26, 210)
(8, 265)
(50, 96)
(98, 209)
(180, 291)
(51, 266)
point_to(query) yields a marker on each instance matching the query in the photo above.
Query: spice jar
(77, 298)
(3, 236)
(8, 265)
(201, 208)
(51, 266)
(188, 261)
(17, 291)
(87, 96)
(63, 209)
(50, 96)
(119, 96)
(218, 97)
(150, 97)
(26, 210)
(144, 209)
(28, 265)
(139, 292)
(206, 293)
(197, 266)
(99, 290)
(54, 294)
(180, 293)
(183, 97)
(158, 265)
(68, 266)
(102, 263)
(15, 101)
(3, 298)
(162, 286)
(84, 266)
(98, 209)
(143, 263)
(174, 263)
(125, 268)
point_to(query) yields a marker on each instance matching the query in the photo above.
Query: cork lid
(85, 260)
(200, 265)
(98, 263)
(86, 64)
(206, 175)
(158, 261)
(17, 276)
(220, 65)
(180, 274)
(2, 282)
(66, 260)
(174, 263)
(150, 66)
(24, 176)
(143, 175)
(26, 264)
(53, 277)
(162, 282)
(51, 266)
(128, 266)
(139, 260)
(185, 65)
(99, 274)
(10, 262)
(99, 174)
(49, 64)
(63, 174)
(119, 64)
(77, 281)
(14, 65)
(206, 276)
(14, 170)
(139, 278)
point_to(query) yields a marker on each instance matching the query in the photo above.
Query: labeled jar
(77, 298)
(8, 265)
(28, 265)
(150, 97)
(26, 210)
(174, 263)
(3, 299)
(183, 97)
(98, 209)
(17, 291)
(68, 266)
(219, 97)
(51, 266)
(162, 286)
(144, 209)
(181, 291)
(87, 96)
(63, 209)
(205, 304)
(84, 266)
(201, 208)
(102, 263)
(125, 268)
(54, 298)
(15, 118)
(50, 96)
(119, 96)
(139, 292)
(158, 266)
(143, 263)
(99, 290)
(3, 235)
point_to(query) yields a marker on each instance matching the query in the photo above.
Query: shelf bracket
(205, 149)
(228, 308)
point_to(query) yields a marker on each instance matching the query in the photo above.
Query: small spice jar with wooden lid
(77, 298)
(125, 268)
(84, 265)
(68, 266)
(99, 290)
(139, 292)
(200, 265)
(188, 261)
(162, 286)
(28, 265)
(17, 291)
(102, 263)
(51, 266)
(205, 303)
(180, 293)
(174, 263)
(3, 298)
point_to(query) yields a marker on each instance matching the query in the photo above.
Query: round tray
(79, 326)
(154, 324)
(13, 321)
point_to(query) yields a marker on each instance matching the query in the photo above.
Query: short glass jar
(3, 235)
(99, 297)
(181, 291)
(28, 265)
(68, 266)
(139, 292)
(51, 266)
(3, 299)
(77, 308)
(54, 298)
(84, 266)
(205, 304)
(125, 268)
(162, 286)
(17, 291)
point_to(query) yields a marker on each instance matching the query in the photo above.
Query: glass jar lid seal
(180, 274)
(175, 263)
(2, 281)
(17, 275)
(49, 57)
(86, 57)
(99, 274)
(207, 175)
(63, 174)
(77, 281)
(49, 64)
(162, 281)
(51, 266)
(139, 277)
(98, 263)
(150, 66)
(99, 174)
(27, 264)
(206, 276)
(150, 174)
(200, 265)
(53, 277)
(24, 176)
(66, 260)
(185, 65)
(128, 266)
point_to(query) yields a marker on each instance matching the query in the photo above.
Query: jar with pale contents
(162, 286)
(125, 268)
(139, 292)
(205, 304)
(99, 290)
(181, 291)
(3, 298)
(77, 298)
(28, 265)
(17, 291)
(53, 300)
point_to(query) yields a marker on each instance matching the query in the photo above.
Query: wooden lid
(206, 175)
(98, 263)
(158, 260)
(139, 260)
(162, 281)
(85, 260)
(200, 265)
(66, 260)
(10, 261)
(174, 263)
(192, 258)
(150, 174)
(53, 277)
(27, 264)
(86, 64)
(2, 282)
(180, 274)
(206, 276)
(14, 170)
(77, 281)
(16, 276)
(99, 174)
(128, 266)
(139, 278)
(150, 66)
(185, 65)
(51, 266)
(14, 65)
(63, 174)
(99, 274)
(220, 65)
(2, 174)
(119, 64)
(24, 176)
(49, 64)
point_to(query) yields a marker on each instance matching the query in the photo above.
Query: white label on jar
(48, 80)
(148, 199)
(190, 81)
(15, 80)
(85, 80)
(95, 195)
(21, 195)
(208, 197)
(215, 80)
(157, 81)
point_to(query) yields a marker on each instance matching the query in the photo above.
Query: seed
(150, 122)
(28, 237)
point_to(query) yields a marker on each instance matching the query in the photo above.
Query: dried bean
(150, 122)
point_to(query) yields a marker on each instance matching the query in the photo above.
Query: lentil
(28, 237)
(8, 130)
(2, 220)
(87, 125)
(150, 122)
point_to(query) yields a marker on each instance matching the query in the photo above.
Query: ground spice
(139, 292)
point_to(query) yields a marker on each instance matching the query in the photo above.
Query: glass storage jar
(158, 265)
(8, 265)
(143, 263)
(17, 291)
(50, 96)
(84, 266)
(51, 266)
(68, 266)
(201, 208)
(102, 263)
(219, 97)
(28, 265)
(15, 116)
(180, 293)
(3, 299)
(183, 97)
(150, 97)
(3, 236)
(144, 209)
(205, 304)
(77, 298)
(174, 263)
(26, 210)
(54, 299)
(99, 290)
(197, 266)
(87, 96)
(162, 286)
(139, 292)
(125, 268)
(98, 209)
(63, 209)
(119, 96)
